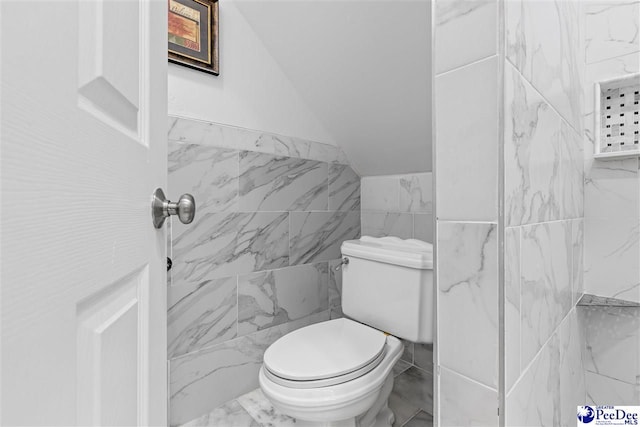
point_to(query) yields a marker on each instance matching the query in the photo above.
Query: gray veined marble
(262, 410)
(598, 301)
(577, 275)
(344, 188)
(416, 193)
(231, 414)
(223, 244)
(317, 236)
(543, 43)
(464, 33)
(611, 29)
(270, 183)
(335, 283)
(546, 283)
(210, 174)
(270, 298)
(553, 385)
(468, 298)
(532, 155)
(201, 315)
(223, 136)
(380, 224)
(205, 379)
(465, 402)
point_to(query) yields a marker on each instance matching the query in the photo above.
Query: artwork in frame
(193, 34)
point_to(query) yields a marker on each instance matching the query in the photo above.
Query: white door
(82, 147)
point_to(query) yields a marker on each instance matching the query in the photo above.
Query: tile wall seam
(539, 352)
(476, 382)
(544, 98)
(470, 64)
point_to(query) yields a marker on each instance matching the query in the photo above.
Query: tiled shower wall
(257, 262)
(612, 218)
(509, 177)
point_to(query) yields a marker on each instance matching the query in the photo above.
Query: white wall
(251, 92)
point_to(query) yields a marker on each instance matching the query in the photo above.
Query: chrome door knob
(161, 208)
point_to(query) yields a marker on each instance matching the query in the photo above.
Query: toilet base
(379, 415)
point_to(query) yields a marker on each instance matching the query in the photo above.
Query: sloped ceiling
(363, 67)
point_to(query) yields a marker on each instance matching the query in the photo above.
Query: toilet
(339, 372)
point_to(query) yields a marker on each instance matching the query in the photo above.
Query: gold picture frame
(193, 34)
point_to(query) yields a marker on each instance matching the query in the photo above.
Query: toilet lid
(324, 350)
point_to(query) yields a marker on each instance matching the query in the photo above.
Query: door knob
(161, 208)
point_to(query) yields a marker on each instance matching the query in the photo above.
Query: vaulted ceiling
(363, 67)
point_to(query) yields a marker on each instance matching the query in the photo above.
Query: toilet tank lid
(411, 253)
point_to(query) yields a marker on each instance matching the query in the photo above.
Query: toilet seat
(324, 354)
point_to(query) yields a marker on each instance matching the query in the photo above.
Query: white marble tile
(603, 390)
(335, 283)
(546, 297)
(468, 299)
(270, 298)
(577, 273)
(612, 250)
(262, 410)
(543, 43)
(423, 227)
(380, 224)
(464, 402)
(231, 414)
(512, 304)
(206, 379)
(532, 155)
(270, 183)
(467, 143)
(210, 174)
(380, 193)
(571, 370)
(571, 173)
(317, 236)
(611, 29)
(344, 188)
(612, 189)
(465, 31)
(612, 341)
(421, 419)
(553, 384)
(201, 315)
(416, 193)
(223, 244)
(217, 135)
(535, 399)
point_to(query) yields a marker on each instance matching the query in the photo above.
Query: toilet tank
(388, 284)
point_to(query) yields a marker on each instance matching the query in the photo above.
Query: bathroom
(496, 138)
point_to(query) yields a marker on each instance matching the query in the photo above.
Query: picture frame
(193, 34)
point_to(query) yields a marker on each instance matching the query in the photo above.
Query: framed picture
(193, 34)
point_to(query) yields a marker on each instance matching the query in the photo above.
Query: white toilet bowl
(333, 373)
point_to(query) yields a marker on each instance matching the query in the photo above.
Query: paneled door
(82, 146)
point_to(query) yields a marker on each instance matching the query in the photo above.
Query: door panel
(82, 270)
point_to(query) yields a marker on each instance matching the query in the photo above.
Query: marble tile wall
(467, 171)
(399, 205)
(257, 261)
(543, 211)
(612, 188)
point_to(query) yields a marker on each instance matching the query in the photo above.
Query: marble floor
(411, 401)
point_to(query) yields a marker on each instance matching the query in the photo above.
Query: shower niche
(617, 132)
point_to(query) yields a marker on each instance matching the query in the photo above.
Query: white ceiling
(363, 67)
